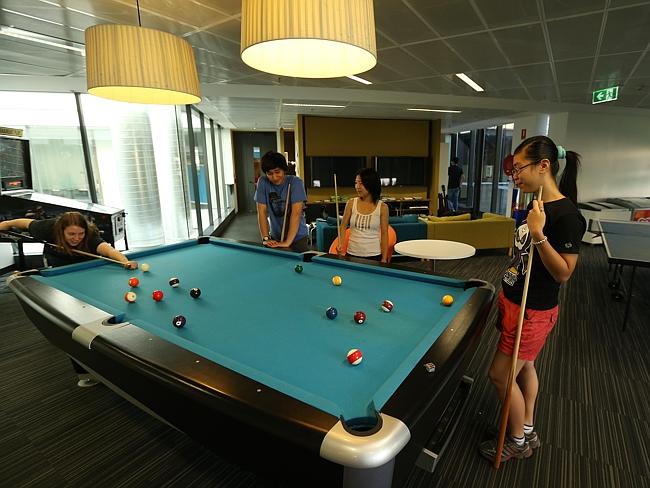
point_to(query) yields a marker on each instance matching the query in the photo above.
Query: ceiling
(528, 55)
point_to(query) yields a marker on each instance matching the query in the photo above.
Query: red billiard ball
(130, 297)
(133, 282)
(354, 356)
(179, 321)
(387, 306)
(157, 295)
(359, 317)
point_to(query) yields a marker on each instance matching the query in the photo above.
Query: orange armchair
(392, 240)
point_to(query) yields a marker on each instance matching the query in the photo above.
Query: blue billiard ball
(178, 321)
(331, 313)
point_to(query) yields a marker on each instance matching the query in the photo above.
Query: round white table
(435, 249)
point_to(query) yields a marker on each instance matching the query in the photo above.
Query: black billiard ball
(331, 313)
(195, 292)
(178, 321)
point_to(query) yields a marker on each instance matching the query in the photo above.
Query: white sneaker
(87, 382)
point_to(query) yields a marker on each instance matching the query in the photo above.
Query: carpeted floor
(593, 412)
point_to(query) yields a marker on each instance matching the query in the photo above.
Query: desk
(435, 249)
(627, 244)
(259, 373)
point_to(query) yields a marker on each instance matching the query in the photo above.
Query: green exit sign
(605, 95)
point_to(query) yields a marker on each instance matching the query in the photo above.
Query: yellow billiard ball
(336, 281)
(447, 300)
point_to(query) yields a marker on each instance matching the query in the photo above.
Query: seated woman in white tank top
(367, 216)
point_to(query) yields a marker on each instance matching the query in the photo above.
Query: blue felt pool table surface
(259, 317)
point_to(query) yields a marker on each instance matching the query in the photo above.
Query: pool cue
(83, 253)
(515, 353)
(336, 202)
(286, 207)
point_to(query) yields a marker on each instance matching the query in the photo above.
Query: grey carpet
(593, 412)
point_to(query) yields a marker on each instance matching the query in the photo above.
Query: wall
(615, 153)
(6, 255)
(535, 125)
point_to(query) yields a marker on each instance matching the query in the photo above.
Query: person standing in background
(455, 173)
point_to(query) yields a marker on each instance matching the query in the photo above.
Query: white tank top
(365, 231)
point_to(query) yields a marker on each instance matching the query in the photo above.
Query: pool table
(259, 372)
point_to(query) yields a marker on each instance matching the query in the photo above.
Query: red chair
(392, 240)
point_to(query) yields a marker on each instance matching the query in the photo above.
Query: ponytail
(569, 182)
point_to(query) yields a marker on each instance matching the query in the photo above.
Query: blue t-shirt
(274, 197)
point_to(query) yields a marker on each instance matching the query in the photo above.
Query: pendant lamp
(309, 38)
(135, 64)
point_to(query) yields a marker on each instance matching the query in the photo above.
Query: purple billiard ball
(179, 321)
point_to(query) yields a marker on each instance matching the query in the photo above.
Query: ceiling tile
(448, 17)
(543, 93)
(535, 75)
(228, 7)
(383, 42)
(574, 71)
(576, 37)
(486, 57)
(560, 8)
(381, 74)
(39, 27)
(441, 85)
(397, 22)
(496, 79)
(10, 67)
(437, 55)
(644, 67)
(627, 30)
(513, 93)
(32, 55)
(575, 92)
(402, 62)
(629, 98)
(499, 13)
(230, 30)
(523, 45)
(193, 14)
(407, 86)
(616, 67)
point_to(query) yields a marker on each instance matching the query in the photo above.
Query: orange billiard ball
(447, 300)
(337, 280)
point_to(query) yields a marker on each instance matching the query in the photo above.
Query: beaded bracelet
(539, 242)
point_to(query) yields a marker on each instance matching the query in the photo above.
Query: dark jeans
(301, 246)
(372, 258)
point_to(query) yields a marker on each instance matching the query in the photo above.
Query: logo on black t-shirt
(519, 263)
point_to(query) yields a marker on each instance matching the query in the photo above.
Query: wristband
(265, 238)
(539, 242)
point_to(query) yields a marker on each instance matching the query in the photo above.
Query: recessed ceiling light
(434, 110)
(312, 105)
(359, 79)
(40, 39)
(470, 82)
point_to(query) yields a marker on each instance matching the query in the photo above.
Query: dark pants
(373, 258)
(301, 246)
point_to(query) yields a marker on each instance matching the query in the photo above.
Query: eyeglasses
(516, 171)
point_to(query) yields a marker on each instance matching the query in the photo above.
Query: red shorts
(537, 325)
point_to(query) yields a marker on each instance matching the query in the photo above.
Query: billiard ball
(145, 267)
(447, 300)
(336, 281)
(331, 313)
(298, 268)
(133, 282)
(387, 306)
(195, 292)
(359, 317)
(179, 321)
(130, 297)
(157, 295)
(354, 356)
(174, 282)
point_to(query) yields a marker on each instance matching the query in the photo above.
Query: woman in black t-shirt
(555, 227)
(71, 231)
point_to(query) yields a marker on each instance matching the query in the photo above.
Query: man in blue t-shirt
(271, 198)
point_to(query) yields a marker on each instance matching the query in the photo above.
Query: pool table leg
(379, 477)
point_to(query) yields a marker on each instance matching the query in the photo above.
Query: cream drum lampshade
(309, 38)
(140, 65)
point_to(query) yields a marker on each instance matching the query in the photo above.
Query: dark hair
(74, 218)
(454, 160)
(272, 160)
(541, 147)
(370, 180)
